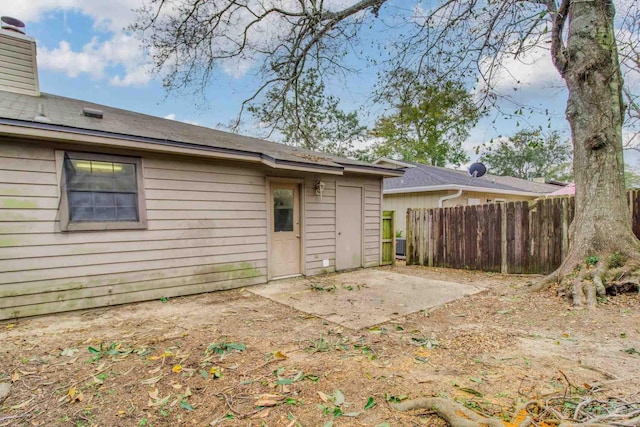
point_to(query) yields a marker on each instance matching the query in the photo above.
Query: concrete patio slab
(363, 298)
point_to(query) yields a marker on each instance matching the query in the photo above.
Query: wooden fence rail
(516, 237)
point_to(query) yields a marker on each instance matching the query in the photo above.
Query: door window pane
(282, 210)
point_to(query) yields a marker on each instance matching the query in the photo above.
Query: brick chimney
(18, 66)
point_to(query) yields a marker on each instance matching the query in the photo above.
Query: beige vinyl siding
(320, 222)
(372, 221)
(18, 71)
(401, 202)
(320, 226)
(206, 231)
(486, 197)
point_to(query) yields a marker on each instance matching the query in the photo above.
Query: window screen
(101, 191)
(282, 210)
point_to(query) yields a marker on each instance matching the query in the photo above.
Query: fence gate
(388, 238)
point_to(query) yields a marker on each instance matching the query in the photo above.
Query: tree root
(586, 284)
(531, 413)
(546, 282)
(454, 413)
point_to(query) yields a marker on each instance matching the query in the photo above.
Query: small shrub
(592, 260)
(224, 348)
(616, 260)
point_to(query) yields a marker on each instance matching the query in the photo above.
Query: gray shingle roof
(431, 176)
(67, 112)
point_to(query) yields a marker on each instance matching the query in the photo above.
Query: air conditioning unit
(401, 247)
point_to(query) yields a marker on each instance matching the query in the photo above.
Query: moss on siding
(18, 204)
(8, 241)
(233, 271)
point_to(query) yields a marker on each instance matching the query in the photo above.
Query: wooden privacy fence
(516, 237)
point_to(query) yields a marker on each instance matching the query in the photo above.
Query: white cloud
(172, 116)
(111, 15)
(138, 75)
(119, 59)
(64, 60)
(529, 76)
(239, 27)
(97, 59)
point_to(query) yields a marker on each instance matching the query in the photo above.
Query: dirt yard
(235, 358)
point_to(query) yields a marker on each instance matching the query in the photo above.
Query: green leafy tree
(528, 154)
(312, 120)
(429, 122)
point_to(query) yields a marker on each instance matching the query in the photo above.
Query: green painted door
(388, 238)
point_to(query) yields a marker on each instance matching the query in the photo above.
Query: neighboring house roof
(567, 190)
(420, 178)
(50, 116)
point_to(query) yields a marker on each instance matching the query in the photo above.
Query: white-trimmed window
(101, 192)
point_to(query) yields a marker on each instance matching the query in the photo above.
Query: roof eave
(398, 163)
(304, 167)
(375, 170)
(461, 187)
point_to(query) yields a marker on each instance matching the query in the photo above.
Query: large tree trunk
(602, 225)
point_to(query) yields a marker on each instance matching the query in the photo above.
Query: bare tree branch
(192, 41)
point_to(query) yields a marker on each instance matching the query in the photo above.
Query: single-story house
(102, 206)
(424, 186)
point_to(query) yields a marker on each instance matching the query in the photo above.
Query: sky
(84, 52)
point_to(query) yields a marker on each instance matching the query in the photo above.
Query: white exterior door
(285, 230)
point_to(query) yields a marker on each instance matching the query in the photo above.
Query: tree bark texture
(590, 68)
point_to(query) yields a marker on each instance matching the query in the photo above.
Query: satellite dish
(13, 24)
(476, 170)
(12, 21)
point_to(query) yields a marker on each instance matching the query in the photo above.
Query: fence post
(393, 236)
(503, 238)
(421, 236)
(430, 245)
(408, 228)
(564, 220)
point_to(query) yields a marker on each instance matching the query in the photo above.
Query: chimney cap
(12, 24)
